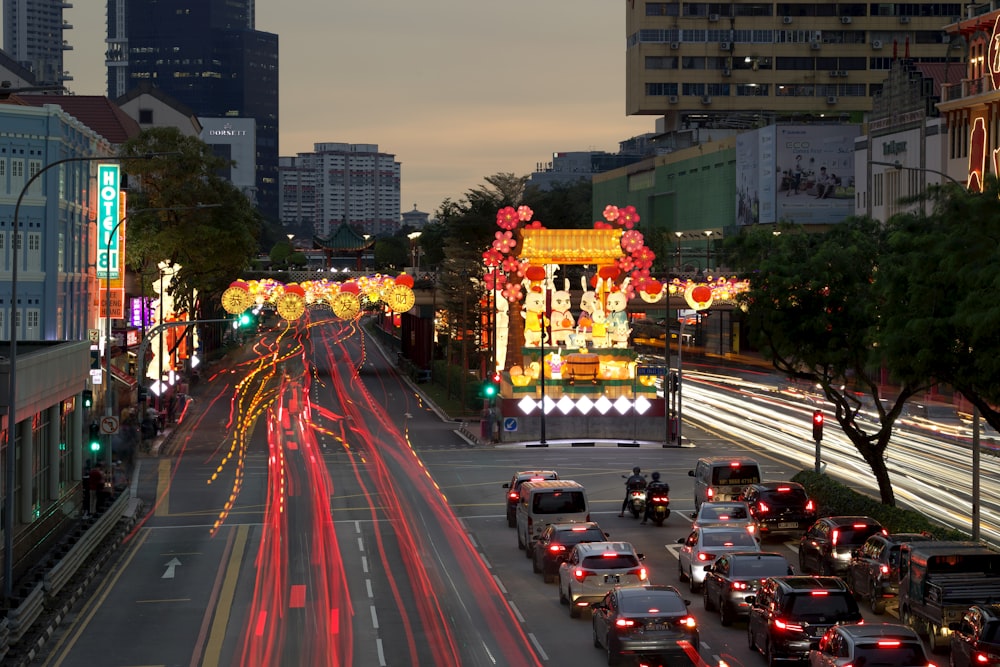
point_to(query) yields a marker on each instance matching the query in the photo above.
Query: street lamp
(414, 251)
(679, 262)
(708, 250)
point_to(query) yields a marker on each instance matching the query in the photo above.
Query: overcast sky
(457, 91)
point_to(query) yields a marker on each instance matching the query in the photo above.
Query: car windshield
(651, 602)
(610, 562)
(819, 608)
(720, 512)
(577, 536)
(727, 538)
(559, 502)
(889, 654)
(735, 475)
(793, 497)
(759, 567)
(853, 535)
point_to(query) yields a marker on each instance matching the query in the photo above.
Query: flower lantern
(292, 303)
(236, 299)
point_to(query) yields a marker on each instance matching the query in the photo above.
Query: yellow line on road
(163, 489)
(213, 648)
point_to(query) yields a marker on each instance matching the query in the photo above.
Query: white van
(548, 501)
(722, 478)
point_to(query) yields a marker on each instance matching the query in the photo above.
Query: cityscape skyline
(451, 102)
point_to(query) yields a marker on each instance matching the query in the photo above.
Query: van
(548, 501)
(722, 478)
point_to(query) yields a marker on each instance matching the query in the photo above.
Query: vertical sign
(108, 247)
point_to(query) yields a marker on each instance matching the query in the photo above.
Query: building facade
(209, 57)
(747, 63)
(34, 36)
(339, 182)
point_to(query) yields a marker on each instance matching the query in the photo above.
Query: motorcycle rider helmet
(656, 476)
(635, 470)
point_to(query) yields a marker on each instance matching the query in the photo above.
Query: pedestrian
(85, 484)
(97, 492)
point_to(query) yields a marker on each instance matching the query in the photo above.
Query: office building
(34, 36)
(747, 64)
(339, 182)
(210, 58)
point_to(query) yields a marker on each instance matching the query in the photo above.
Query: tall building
(745, 64)
(33, 35)
(209, 57)
(337, 182)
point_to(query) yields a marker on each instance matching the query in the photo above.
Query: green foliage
(280, 253)
(834, 499)
(392, 253)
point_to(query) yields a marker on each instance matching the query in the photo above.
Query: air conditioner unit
(673, 99)
(725, 46)
(831, 100)
(727, 72)
(815, 46)
(904, 19)
(675, 45)
(834, 72)
(713, 17)
(786, 20)
(845, 19)
(876, 44)
(841, 73)
(706, 99)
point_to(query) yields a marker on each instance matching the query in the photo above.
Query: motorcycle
(659, 505)
(636, 498)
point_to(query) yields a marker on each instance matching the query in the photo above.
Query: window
(145, 116)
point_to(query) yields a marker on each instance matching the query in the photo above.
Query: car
(722, 478)
(733, 577)
(779, 508)
(789, 615)
(703, 545)
(728, 513)
(827, 545)
(514, 487)
(644, 620)
(873, 570)
(594, 568)
(554, 545)
(871, 644)
(975, 640)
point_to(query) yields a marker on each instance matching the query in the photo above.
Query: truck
(939, 580)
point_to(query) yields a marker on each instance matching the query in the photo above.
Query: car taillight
(819, 593)
(763, 508)
(512, 495)
(810, 507)
(639, 572)
(581, 574)
(785, 625)
(710, 493)
(836, 536)
(705, 557)
(738, 585)
(884, 569)
(688, 622)
(623, 623)
(660, 499)
(980, 658)
(887, 643)
(556, 548)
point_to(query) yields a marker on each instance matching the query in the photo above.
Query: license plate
(787, 524)
(656, 627)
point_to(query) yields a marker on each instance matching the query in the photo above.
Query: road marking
(163, 489)
(213, 647)
(171, 567)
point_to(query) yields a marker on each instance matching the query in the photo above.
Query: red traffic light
(496, 377)
(817, 425)
(818, 418)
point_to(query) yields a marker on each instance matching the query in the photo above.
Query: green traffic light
(245, 319)
(95, 446)
(489, 390)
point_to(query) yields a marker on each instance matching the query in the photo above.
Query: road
(318, 512)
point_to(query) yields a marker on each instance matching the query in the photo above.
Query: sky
(457, 91)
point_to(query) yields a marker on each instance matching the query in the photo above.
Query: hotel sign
(109, 246)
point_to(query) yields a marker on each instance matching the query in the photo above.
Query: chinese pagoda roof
(344, 239)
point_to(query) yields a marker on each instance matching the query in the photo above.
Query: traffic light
(817, 425)
(94, 441)
(245, 320)
(491, 387)
(88, 398)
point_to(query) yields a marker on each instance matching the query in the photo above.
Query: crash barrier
(63, 571)
(4, 634)
(21, 618)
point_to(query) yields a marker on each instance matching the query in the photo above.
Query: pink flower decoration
(535, 224)
(640, 276)
(522, 266)
(610, 213)
(644, 257)
(492, 257)
(512, 292)
(631, 241)
(507, 218)
(504, 242)
(524, 213)
(600, 224)
(625, 264)
(628, 217)
(494, 280)
(511, 264)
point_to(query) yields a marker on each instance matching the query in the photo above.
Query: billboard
(795, 173)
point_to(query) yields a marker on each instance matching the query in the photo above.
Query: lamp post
(708, 250)
(414, 251)
(679, 262)
(10, 438)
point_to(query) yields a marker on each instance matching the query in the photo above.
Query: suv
(975, 640)
(827, 546)
(734, 577)
(871, 644)
(554, 545)
(790, 614)
(514, 487)
(594, 568)
(722, 478)
(779, 508)
(873, 571)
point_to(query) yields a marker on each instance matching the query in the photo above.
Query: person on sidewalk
(96, 484)
(85, 485)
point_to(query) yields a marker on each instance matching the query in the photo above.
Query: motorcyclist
(635, 481)
(656, 486)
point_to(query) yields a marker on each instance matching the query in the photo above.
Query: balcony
(951, 92)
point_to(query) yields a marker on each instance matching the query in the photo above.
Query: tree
(213, 246)
(814, 313)
(280, 253)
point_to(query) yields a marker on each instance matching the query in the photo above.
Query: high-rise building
(208, 56)
(33, 35)
(746, 63)
(337, 182)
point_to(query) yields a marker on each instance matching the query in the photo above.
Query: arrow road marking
(171, 565)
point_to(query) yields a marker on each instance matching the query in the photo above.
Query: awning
(571, 246)
(123, 377)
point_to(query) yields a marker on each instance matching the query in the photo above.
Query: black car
(975, 640)
(779, 508)
(556, 542)
(641, 621)
(789, 615)
(827, 546)
(731, 579)
(514, 489)
(873, 571)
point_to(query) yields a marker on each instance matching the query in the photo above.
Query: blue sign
(510, 424)
(650, 370)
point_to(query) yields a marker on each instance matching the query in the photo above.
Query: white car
(594, 568)
(701, 548)
(725, 513)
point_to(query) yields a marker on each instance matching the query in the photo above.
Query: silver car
(594, 568)
(725, 513)
(701, 548)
